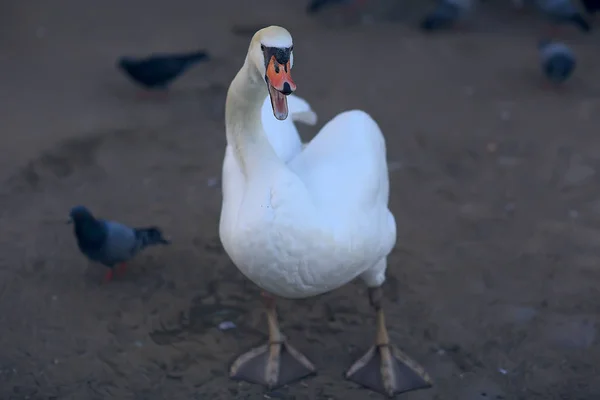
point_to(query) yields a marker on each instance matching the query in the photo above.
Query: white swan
(303, 224)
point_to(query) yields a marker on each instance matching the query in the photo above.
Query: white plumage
(305, 221)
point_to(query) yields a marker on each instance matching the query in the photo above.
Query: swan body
(300, 223)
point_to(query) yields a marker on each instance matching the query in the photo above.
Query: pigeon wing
(121, 243)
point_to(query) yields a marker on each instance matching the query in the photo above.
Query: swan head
(271, 53)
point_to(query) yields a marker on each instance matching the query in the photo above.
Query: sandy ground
(493, 285)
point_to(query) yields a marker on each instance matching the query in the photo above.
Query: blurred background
(493, 283)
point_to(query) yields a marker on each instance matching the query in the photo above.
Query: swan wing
(344, 167)
(283, 135)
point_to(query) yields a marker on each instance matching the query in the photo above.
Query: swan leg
(384, 368)
(274, 364)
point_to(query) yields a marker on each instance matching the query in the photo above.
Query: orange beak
(280, 84)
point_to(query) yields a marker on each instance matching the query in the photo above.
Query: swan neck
(243, 121)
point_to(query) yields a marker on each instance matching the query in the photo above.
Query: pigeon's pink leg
(555, 31)
(354, 9)
(359, 3)
(121, 269)
(460, 27)
(552, 88)
(143, 95)
(109, 275)
(162, 95)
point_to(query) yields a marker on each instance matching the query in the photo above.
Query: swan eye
(262, 47)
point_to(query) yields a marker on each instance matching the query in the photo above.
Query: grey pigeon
(111, 243)
(564, 12)
(557, 61)
(446, 14)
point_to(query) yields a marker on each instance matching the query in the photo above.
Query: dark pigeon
(159, 70)
(111, 243)
(446, 14)
(564, 12)
(557, 61)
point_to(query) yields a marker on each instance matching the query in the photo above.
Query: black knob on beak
(287, 89)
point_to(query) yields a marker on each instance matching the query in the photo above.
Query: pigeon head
(80, 213)
(90, 233)
(124, 62)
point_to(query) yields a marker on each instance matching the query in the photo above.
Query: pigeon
(111, 243)
(557, 61)
(446, 14)
(563, 12)
(317, 5)
(159, 70)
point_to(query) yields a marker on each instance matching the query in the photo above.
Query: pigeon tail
(591, 6)
(151, 236)
(444, 16)
(581, 23)
(195, 57)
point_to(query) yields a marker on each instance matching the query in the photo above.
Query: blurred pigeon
(591, 6)
(446, 14)
(159, 70)
(316, 5)
(557, 61)
(111, 243)
(563, 12)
